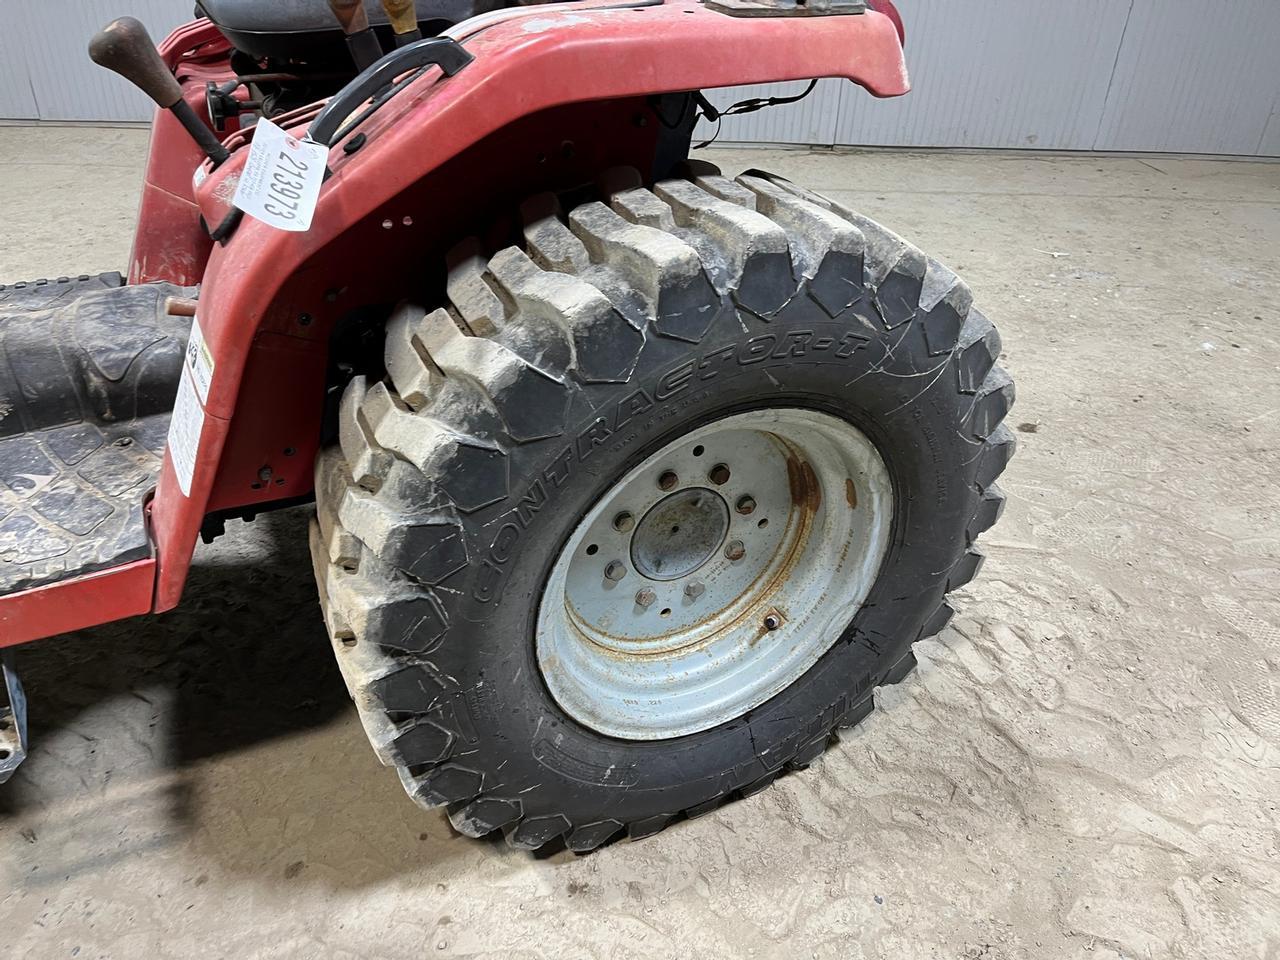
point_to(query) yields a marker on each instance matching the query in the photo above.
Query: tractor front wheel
(648, 509)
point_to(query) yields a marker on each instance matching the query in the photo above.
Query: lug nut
(694, 590)
(735, 550)
(668, 481)
(772, 621)
(646, 597)
(623, 522)
(746, 506)
(719, 474)
(615, 571)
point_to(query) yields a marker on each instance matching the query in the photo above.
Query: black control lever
(362, 41)
(447, 54)
(403, 15)
(125, 47)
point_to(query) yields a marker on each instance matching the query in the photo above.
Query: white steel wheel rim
(654, 624)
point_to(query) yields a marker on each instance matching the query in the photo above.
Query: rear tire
(556, 370)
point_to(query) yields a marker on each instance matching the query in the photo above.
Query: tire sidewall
(882, 381)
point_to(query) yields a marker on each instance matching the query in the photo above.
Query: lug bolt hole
(668, 480)
(615, 571)
(719, 474)
(623, 522)
(735, 550)
(746, 505)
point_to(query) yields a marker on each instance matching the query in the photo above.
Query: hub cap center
(679, 534)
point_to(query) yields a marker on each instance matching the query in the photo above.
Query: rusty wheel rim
(714, 574)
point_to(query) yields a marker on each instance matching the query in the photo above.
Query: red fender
(269, 298)
(889, 10)
(169, 241)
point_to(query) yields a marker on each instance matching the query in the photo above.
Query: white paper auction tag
(199, 361)
(185, 427)
(281, 180)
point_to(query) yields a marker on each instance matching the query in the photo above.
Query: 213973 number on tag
(286, 187)
(281, 181)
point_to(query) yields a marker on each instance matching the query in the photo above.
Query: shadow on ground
(124, 716)
(244, 659)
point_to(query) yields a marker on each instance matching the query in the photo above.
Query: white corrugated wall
(1184, 76)
(1271, 136)
(1023, 74)
(1195, 77)
(51, 38)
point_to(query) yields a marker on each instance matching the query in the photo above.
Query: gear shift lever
(125, 47)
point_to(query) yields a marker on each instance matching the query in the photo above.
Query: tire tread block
(990, 510)
(447, 784)
(980, 348)
(665, 270)
(530, 401)
(605, 346)
(826, 249)
(476, 302)
(471, 473)
(996, 454)
(760, 269)
(423, 743)
(534, 832)
(992, 404)
(482, 817)
(551, 244)
(428, 548)
(592, 835)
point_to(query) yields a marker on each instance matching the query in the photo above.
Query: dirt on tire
(555, 365)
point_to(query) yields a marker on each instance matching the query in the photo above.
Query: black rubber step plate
(88, 372)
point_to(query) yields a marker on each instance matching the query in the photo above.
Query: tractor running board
(88, 372)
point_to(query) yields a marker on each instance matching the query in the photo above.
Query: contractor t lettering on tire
(644, 513)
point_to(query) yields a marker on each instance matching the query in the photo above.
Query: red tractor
(632, 481)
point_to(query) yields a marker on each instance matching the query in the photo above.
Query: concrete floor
(1086, 765)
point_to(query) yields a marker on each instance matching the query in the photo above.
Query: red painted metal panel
(283, 394)
(889, 10)
(169, 242)
(75, 604)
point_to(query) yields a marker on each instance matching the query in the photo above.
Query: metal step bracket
(13, 720)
